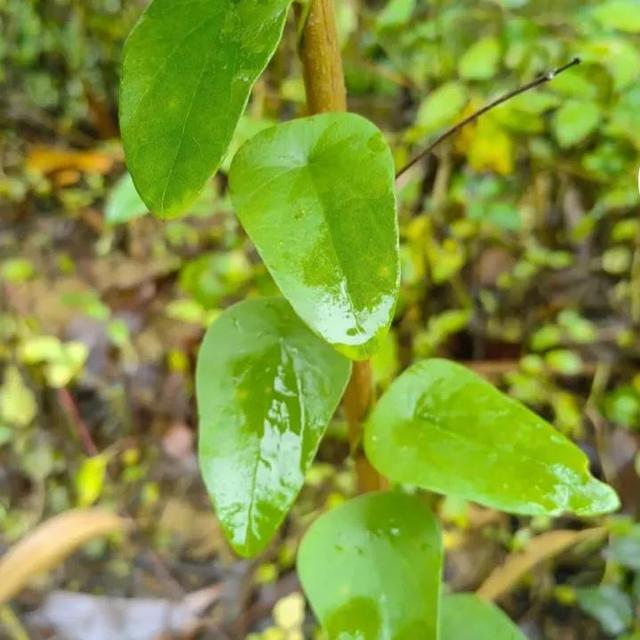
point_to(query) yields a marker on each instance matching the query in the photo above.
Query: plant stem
(321, 60)
(546, 77)
(325, 90)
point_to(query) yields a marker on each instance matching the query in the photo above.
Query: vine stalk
(324, 86)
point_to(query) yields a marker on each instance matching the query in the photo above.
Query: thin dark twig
(547, 77)
(71, 408)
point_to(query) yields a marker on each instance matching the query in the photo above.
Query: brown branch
(324, 86)
(321, 60)
(543, 79)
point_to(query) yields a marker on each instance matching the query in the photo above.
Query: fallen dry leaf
(507, 576)
(80, 616)
(50, 543)
(47, 160)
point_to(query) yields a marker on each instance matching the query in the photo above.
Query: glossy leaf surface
(189, 66)
(464, 616)
(442, 427)
(371, 569)
(316, 195)
(266, 388)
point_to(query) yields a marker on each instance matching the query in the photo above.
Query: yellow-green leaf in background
(480, 60)
(442, 107)
(623, 15)
(18, 405)
(89, 480)
(574, 121)
(62, 361)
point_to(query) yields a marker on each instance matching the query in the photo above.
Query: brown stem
(84, 435)
(321, 61)
(357, 401)
(324, 86)
(546, 77)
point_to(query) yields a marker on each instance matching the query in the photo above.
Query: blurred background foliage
(520, 257)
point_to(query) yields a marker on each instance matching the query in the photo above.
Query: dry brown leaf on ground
(47, 160)
(507, 576)
(50, 543)
(81, 616)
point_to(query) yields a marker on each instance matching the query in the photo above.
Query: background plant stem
(325, 91)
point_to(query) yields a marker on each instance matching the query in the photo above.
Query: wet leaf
(442, 427)
(188, 69)
(50, 543)
(574, 121)
(466, 617)
(267, 388)
(328, 181)
(371, 569)
(543, 547)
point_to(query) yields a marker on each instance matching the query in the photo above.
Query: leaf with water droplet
(266, 389)
(464, 616)
(444, 428)
(189, 66)
(316, 196)
(371, 569)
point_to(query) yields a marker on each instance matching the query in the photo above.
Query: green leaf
(609, 605)
(189, 66)
(625, 549)
(18, 405)
(16, 270)
(464, 616)
(396, 13)
(371, 569)
(480, 60)
(574, 121)
(124, 203)
(266, 388)
(442, 106)
(316, 196)
(89, 480)
(623, 15)
(444, 428)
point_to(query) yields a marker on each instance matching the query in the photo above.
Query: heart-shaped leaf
(189, 66)
(316, 196)
(371, 569)
(464, 616)
(442, 427)
(266, 388)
